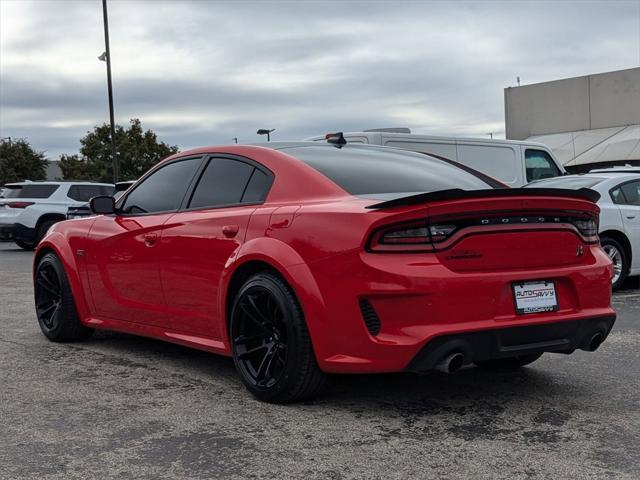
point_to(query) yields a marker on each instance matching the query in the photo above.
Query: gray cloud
(203, 72)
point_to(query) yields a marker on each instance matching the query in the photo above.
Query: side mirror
(103, 205)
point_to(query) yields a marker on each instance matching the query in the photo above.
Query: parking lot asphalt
(119, 406)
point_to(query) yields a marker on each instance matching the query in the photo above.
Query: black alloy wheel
(271, 347)
(48, 296)
(260, 338)
(55, 307)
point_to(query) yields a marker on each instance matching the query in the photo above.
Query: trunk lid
(488, 232)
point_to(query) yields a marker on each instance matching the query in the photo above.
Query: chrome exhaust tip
(451, 363)
(595, 341)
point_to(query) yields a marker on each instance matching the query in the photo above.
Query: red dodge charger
(304, 259)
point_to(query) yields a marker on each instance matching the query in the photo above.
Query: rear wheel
(271, 346)
(55, 307)
(25, 245)
(618, 256)
(43, 228)
(511, 363)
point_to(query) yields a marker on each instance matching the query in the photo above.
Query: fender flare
(56, 243)
(288, 263)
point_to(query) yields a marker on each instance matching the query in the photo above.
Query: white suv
(28, 209)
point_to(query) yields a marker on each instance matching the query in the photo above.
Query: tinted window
(84, 193)
(631, 192)
(31, 191)
(539, 165)
(163, 190)
(380, 171)
(617, 196)
(570, 182)
(258, 187)
(222, 183)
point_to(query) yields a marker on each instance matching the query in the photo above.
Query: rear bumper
(7, 231)
(417, 301)
(500, 343)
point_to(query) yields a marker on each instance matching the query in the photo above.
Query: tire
(25, 245)
(55, 307)
(511, 363)
(270, 342)
(620, 260)
(43, 228)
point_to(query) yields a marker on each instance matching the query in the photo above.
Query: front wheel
(55, 307)
(618, 256)
(270, 341)
(511, 363)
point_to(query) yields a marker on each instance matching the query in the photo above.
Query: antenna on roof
(336, 139)
(518, 80)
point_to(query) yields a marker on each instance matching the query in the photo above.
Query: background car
(619, 204)
(29, 209)
(304, 259)
(80, 211)
(513, 162)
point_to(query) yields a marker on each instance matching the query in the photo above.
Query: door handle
(150, 239)
(630, 217)
(230, 231)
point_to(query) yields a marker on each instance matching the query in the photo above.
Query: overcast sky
(202, 72)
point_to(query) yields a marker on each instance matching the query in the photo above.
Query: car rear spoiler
(459, 194)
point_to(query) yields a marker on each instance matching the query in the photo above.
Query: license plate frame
(535, 296)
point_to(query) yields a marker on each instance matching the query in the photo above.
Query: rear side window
(84, 193)
(539, 165)
(627, 194)
(31, 191)
(257, 188)
(163, 190)
(381, 172)
(617, 196)
(229, 182)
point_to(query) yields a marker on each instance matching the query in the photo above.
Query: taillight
(588, 227)
(429, 234)
(414, 236)
(19, 204)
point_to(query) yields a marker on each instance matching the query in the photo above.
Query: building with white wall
(588, 121)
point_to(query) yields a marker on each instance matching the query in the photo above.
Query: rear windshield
(30, 191)
(572, 183)
(385, 173)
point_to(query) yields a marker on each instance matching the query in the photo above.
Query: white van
(515, 163)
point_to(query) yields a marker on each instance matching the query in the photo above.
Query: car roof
(628, 175)
(48, 182)
(437, 138)
(617, 169)
(601, 177)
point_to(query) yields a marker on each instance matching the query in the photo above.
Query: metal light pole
(267, 132)
(106, 56)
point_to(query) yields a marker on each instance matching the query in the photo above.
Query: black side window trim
(619, 186)
(210, 158)
(122, 200)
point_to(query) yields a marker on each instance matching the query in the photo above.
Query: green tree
(137, 152)
(19, 161)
